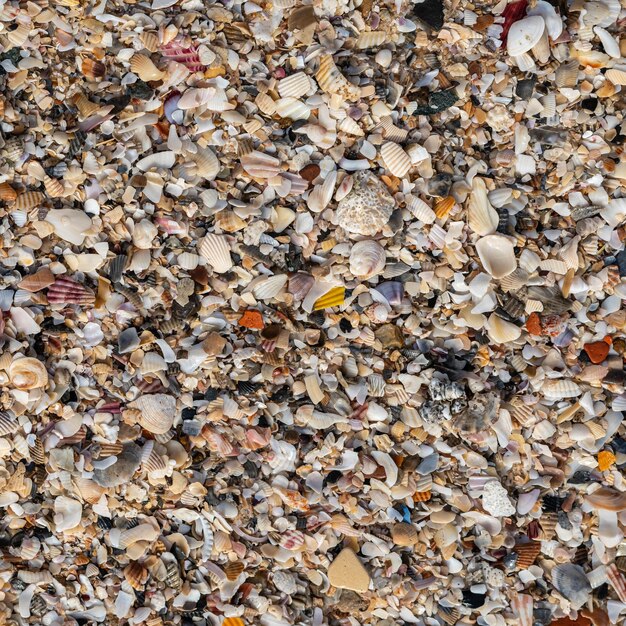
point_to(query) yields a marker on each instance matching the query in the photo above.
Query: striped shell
(28, 200)
(331, 80)
(158, 412)
(68, 291)
(28, 373)
(295, 86)
(395, 159)
(367, 259)
(147, 71)
(215, 249)
(334, 297)
(371, 39)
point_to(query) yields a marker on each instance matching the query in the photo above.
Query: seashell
(30, 548)
(28, 373)
(391, 291)
(527, 553)
(617, 77)
(67, 513)
(185, 55)
(294, 86)
(420, 210)
(54, 187)
(292, 539)
(524, 34)
(481, 216)
(607, 499)
(541, 50)
(617, 580)
(68, 291)
(153, 362)
(572, 583)
(158, 412)
(371, 39)
(215, 249)
(367, 259)
(609, 43)
(69, 224)
(395, 159)
(480, 414)
(321, 195)
(188, 260)
(300, 284)
(403, 534)
(233, 569)
(260, 165)
(334, 297)
(566, 75)
(350, 127)
(19, 217)
(265, 103)
(28, 200)
(207, 164)
(601, 13)
(560, 388)
(147, 71)
(285, 582)
(367, 208)
(270, 287)
(7, 193)
(209, 98)
(497, 255)
(136, 575)
(36, 282)
(92, 69)
(331, 80)
(18, 36)
(522, 605)
(122, 470)
(150, 41)
(8, 426)
(292, 108)
(501, 331)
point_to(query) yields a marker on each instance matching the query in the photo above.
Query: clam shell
(38, 281)
(321, 195)
(607, 499)
(136, 575)
(28, 373)
(617, 77)
(69, 224)
(215, 249)
(285, 582)
(207, 164)
(497, 255)
(420, 210)
(260, 165)
(334, 297)
(158, 412)
(188, 260)
(391, 291)
(294, 86)
(7, 193)
(395, 159)
(331, 80)
(233, 569)
(481, 216)
(571, 582)
(403, 534)
(54, 187)
(269, 287)
(143, 66)
(367, 259)
(501, 331)
(566, 74)
(300, 284)
(609, 43)
(292, 108)
(524, 34)
(68, 291)
(265, 103)
(150, 41)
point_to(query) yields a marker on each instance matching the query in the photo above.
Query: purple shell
(392, 291)
(170, 107)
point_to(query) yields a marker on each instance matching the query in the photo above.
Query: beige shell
(188, 260)
(524, 34)
(215, 249)
(292, 108)
(497, 254)
(28, 200)
(270, 286)
(566, 74)
(265, 103)
(331, 80)
(143, 66)
(617, 77)
(367, 259)
(70, 224)
(420, 210)
(481, 216)
(553, 265)
(207, 164)
(54, 188)
(158, 412)
(295, 86)
(371, 39)
(556, 389)
(350, 127)
(403, 534)
(150, 41)
(28, 373)
(153, 362)
(501, 331)
(395, 159)
(260, 165)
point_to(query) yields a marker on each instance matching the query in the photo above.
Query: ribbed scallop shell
(265, 103)
(553, 265)
(566, 74)
(215, 249)
(188, 260)
(28, 373)
(331, 80)
(28, 200)
(481, 216)
(334, 297)
(571, 582)
(158, 412)
(90, 491)
(260, 165)
(143, 66)
(270, 287)
(8, 425)
(420, 210)
(527, 553)
(395, 159)
(233, 569)
(300, 284)
(294, 86)
(150, 41)
(207, 164)
(136, 575)
(371, 39)
(522, 604)
(153, 362)
(54, 187)
(367, 259)
(617, 77)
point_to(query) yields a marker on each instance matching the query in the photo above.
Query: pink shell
(292, 539)
(68, 291)
(187, 56)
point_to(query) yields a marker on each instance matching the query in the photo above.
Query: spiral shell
(28, 373)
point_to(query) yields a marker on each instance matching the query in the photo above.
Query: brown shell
(92, 69)
(136, 575)
(7, 193)
(233, 569)
(527, 553)
(28, 200)
(607, 499)
(38, 281)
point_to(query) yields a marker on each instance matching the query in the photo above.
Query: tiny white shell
(367, 259)
(215, 249)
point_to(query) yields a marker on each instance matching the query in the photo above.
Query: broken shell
(607, 499)
(482, 217)
(28, 373)
(395, 159)
(501, 331)
(571, 581)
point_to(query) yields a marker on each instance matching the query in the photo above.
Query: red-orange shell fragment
(597, 351)
(533, 324)
(252, 319)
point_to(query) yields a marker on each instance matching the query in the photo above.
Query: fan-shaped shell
(295, 86)
(285, 582)
(481, 216)
(7, 193)
(136, 575)
(215, 249)
(150, 41)
(395, 159)
(153, 362)
(300, 284)
(28, 373)
(265, 103)
(158, 412)
(571, 582)
(497, 254)
(617, 77)
(501, 331)
(28, 200)
(404, 534)
(367, 259)
(524, 34)
(607, 499)
(270, 287)
(143, 66)
(207, 164)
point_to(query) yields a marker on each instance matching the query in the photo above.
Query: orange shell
(597, 351)
(533, 324)
(252, 319)
(421, 496)
(605, 459)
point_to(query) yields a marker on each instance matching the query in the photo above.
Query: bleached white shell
(260, 165)
(395, 159)
(188, 260)
(497, 255)
(159, 160)
(481, 216)
(501, 331)
(207, 164)
(321, 195)
(367, 259)
(420, 210)
(69, 224)
(555, 389)
(553, 21)
(208, 97)
(67, 513)
(215, 249)
(292, 108)
(524, 34)
(609, 43)
(294, 86)
(19, 217)
(158, 411)
(270, 287)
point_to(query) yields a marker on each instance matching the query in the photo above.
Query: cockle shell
(497, 254)
(158, 412)
(571, 582)
(481, 216)
(617, 77)
(295, 86)
(28, 373)
(207, 164)
(215, 249)
(69, 224)
(68, 291)
(367, 259)
(143, 66)
(136, 575)
(395, 159)
(524, 34)
(28, 200)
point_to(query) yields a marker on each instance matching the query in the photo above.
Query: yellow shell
(443, 207)
(233, 569)
(334, 297)
(233, 621)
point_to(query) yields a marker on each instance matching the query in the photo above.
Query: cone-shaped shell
(367, 259)
(524, 34)
(497, 254)
(481, 216)
(142, 65)
(28, 373)
(215, 249)
(158, 412)
(396, 160)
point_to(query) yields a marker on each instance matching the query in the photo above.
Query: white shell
(207, 164)
(556, 389)
(501, 331)
(294, 86)
(188, 260)
(420, 210)
(19, 217)
(270, 286)
(609, 43)
(617, 77)
(70, 224)
(208, 97)
(158, 411)
(153, 362)
(67, 513)
(497, 255)
(553, 21)
(524, 34)
(350, 127)
(215, 249)
(320, 195)
(265, 103)
(395, 159)
(260, 165)
(159, 160)
(292, 108)
(367, 259)
(481, 216)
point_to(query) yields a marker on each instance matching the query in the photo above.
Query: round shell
(404, 534)
(158, 412)
(571, 582)
(524, 34)
(367, 259)
(215, 249)
(497, 254)
(28, 373)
